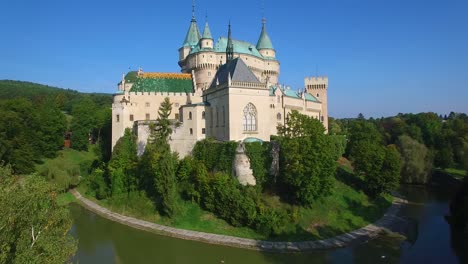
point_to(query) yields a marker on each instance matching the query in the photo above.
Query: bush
(339, 145)
(260, 161)
(217, 156)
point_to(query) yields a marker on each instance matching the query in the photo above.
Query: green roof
(286, 90)
(239, 47)
(252, 139)
(311, 98)
(207, 32)
(193, 34)
(264, 41)
(169, 85)
(131, 76)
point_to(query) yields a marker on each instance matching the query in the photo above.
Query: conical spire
(193, 34)
(264, 41)
(230, 46)
(206, 31)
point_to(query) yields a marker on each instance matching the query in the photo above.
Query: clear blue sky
(382, 57)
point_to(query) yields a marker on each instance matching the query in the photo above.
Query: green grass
(345, 210)
(65, 169)
(458, 173)
(66, 198)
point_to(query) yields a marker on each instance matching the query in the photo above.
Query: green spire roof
(193, 34)
(264, 41)
(207, 32)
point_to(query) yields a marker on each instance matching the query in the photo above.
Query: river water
(104, 241)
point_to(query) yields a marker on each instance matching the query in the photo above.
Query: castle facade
(227, 90)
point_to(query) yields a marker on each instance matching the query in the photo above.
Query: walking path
(356, 236)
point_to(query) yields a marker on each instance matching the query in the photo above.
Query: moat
(104, 241)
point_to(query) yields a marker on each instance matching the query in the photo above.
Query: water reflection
(103, 241)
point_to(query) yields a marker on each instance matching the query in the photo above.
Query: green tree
(376, 164)
(307, 159)
(159, 168)
(83, 123)
(160, 164)
(34, 228)
(416, 161)
(123, 164)
(163, 128)
(53, 125)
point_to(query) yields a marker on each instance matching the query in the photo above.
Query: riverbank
(357, 236)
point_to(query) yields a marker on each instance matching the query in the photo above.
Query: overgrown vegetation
(34, 226)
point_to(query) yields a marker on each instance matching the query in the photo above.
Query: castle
(226, 90)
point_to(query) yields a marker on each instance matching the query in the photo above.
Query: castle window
(207, 43)
(209, 74)
(203, 115)
(321, 118)
(278, 98)
(147, 116)
(190, 115)
(117, 118)
(203, 131)
(177, 116)
(147, 104)
(131, 117)
(249, 119)
(278, 116)
(191, 131)
(176, 104)
(318, 95)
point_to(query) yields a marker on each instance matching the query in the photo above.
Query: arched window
(203, 115)
(190, 115)
(249, 120)
(278, 116)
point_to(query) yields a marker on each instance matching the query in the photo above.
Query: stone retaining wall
(356, 236)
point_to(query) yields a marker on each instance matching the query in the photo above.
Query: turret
(191, 38)
(318, 87)
(206, 40)
(264, 45)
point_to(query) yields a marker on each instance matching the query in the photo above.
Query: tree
(163, 128)
(416, 160)
(122, 166)
(159, 163)
(307, 159)
(159, 167)
(34, 228)
(53, 125)
(376, 164)
(83, 123)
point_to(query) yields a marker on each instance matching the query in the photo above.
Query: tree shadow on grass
(350, 179)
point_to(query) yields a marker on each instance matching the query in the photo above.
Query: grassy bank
(66, 169)
(345, 210)
(457, 173)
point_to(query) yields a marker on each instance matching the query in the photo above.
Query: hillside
(36, 92)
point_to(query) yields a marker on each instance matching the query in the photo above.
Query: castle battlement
(163, 94)
(249, 85)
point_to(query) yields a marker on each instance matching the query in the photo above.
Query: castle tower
(206, 41)
(192, 37)
(318, 86)
(265, 47)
